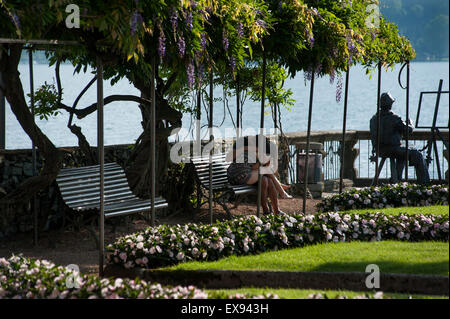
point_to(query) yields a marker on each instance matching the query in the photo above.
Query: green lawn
(390, 256)
(304, 293)
(435, 210)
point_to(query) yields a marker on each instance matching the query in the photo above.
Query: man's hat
(386, 100)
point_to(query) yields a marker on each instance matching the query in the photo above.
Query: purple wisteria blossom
(189, 20)
(351, 46)
(310, 37)
(174, 19)
(373, 36)
(308, 74)
(136, 20)
(225, 42)
(318, 69)
(15, 19)
(339, 89)
(240, 30)
(162, 45)
(190, 74)
(201, 72)
(181, 46)
(203, 41)
(332, 76)
(232, 63)
(262, 23)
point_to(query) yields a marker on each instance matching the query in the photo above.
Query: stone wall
(17, 165)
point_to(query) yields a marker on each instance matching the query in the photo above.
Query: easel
(435, 130)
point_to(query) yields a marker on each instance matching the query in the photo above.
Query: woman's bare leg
(265, 182)
(273, 195)
(264, 185)
(278, 186)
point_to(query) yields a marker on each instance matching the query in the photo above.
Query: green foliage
(423, 22)
(46, 101)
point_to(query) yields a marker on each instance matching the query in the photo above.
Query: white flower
(140, 245)
(180, 256)
(140, 238)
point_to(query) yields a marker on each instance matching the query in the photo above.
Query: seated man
(391, 130)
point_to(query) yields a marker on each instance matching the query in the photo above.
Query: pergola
(100, 130)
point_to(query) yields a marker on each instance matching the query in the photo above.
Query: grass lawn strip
(391, 256)
(309, 293)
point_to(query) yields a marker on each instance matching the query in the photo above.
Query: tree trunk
(14, 94)
(139, 164)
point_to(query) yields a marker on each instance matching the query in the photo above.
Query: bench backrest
(80, 187)
(219, 170)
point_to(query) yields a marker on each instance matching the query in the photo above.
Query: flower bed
(390, 195)
(22, 278)
(167, 245)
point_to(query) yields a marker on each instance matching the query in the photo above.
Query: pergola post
(101, 158)
(308, 138)
(261, 132)
(238, 108)
(407, 120)
(153, 142)
(377, 146)
(2, 116)
(33, 146)
(211, 140)
(344, 127)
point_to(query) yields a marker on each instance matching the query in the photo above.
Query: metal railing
(358, 150)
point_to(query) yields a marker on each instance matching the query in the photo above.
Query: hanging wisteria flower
(190, 74)
(332, 76)
(203, 41)
(318, 69)
(308, 74)
(174, 19)
(201, 72)
(136, 20)
(240, 30)
(225, 42)
(189, 20)
(15, 19)
(161, 45)
(352, 49)
(373, 36)
(310, 38)
(232, 63)
(339, 89)
(181, 46)
(261, 23)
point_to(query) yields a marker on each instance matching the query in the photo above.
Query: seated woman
(244, 169)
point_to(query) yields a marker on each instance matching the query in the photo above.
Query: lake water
(122, 119)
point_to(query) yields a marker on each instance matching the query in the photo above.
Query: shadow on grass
(427, 268)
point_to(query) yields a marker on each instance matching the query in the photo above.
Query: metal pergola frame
(100, 135)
